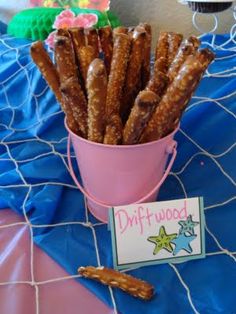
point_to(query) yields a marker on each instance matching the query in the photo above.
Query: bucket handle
(170, 149)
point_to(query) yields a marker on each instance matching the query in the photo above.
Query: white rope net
(7, 144)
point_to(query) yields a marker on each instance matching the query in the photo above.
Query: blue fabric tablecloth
(34, 179)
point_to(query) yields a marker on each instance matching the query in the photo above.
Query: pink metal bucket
(120, 175)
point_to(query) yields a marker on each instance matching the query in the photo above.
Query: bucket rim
(170, 135)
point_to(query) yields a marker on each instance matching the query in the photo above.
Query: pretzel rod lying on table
(175, 99)
(50, 74)
(133, 286)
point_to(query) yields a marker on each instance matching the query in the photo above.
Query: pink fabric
(61, 297)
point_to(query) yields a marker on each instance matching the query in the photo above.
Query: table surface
(35, 182)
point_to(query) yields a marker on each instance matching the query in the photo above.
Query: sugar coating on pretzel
(135, 287)
(74, 97)
(120, 29)
(46, 67)
(161, 51)
(158, 83)
(65, 58)
(86, 55)
(174, 41)
(121, 52)
(72, 92)
(91, 36)
(205, 56)
(174, 100)
(106, 41)
(145, 103)
(188, 47)
(146, 67)
(63, 32)
(97, 89)
(131, 85)
(113, 130)
(78, 37)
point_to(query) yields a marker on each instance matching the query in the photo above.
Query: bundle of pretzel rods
(104, 83)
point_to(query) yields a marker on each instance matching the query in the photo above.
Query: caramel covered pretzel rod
(70, 86)
(106, 40)
(131, 85)
(174, 101)
(161, 52)
(121, 51)
(78, 37)
(92, 40)
(120, 29)
(62, 32)
(133, 286)
(73, 96)
(159, 80)
(97, 90)
(145, 103)
(113, 130)
(160, 65)
(86, 55)
(50, 74)
(78, 40)
(188, 47)
(174, 41)
(146, 67)
(205, 56)
(158, 83)
(46, 67)
(65, 58)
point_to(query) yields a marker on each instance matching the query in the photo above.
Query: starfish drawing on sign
(182, 242)
(162, 240)
(188, 225)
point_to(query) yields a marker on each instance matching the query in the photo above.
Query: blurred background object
(169, 15)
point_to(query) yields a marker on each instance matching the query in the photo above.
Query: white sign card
(158, 232)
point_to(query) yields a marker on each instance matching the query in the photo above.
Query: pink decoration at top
(36, 3)
(101, 5)
(67, 19)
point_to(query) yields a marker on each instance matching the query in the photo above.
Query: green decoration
(36, 23)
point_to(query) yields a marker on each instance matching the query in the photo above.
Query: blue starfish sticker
(187, 225)
(182, 242)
